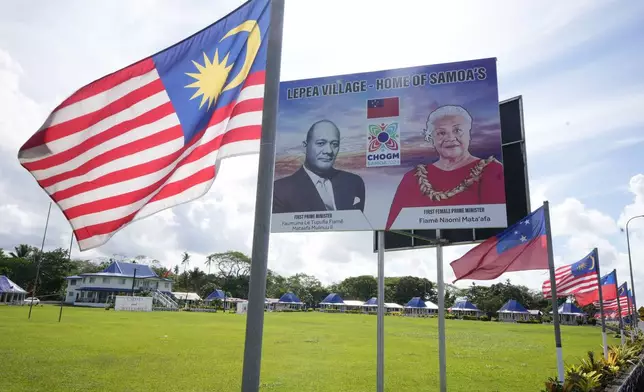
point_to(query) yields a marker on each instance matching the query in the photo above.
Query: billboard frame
(433, 241)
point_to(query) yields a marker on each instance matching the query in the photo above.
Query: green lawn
(98, 350)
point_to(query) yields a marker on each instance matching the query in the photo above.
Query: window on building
(92, 280)
(70, 294)
(167, 285)
(122, 281)
(72, 282)
(106, 280)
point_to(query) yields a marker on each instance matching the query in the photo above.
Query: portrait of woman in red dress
(457, 177)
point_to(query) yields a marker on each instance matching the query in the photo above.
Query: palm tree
(22, 251)
(209, 261)
(185, 260)
(176, 270)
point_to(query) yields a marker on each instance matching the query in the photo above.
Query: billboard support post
(442, 361)
(380, 367)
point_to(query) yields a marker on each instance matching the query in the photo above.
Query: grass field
(98, 350)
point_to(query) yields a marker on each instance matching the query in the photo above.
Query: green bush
(528, 322)
(467, 317)
(484, 318)
(595, 373)
(449, 316)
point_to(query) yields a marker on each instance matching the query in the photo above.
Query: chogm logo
(383, 145)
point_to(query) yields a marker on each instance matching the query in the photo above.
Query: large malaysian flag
(151, 135)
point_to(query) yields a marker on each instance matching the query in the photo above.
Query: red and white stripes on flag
(569, 284)
(114, 151)
(612, 305)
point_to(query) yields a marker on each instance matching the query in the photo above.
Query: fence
(633, 381)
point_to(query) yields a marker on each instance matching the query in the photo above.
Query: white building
(97, 288)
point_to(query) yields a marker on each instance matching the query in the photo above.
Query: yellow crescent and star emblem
(592, 262)
(211, 78)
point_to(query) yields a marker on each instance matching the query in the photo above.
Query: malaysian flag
(576, 278)
(625, 302)
(151, 135)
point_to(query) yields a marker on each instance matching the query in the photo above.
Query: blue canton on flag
(584, 266)
(225, 54)
(522, 232)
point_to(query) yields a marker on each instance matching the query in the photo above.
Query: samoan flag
(609, 286)
(520, 247)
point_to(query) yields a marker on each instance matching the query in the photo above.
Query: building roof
(353, 302)
(570, 308)
(290, 298)
(8, 286)
(216, 295)
(416, 302)
(186, 296)
(464, 305)
(122, 270)
(333, 298)
(512, 306)
(431, 305)
(373, 301)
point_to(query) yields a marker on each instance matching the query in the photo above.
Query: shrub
(592, 373)
(592, 321)
(449, 316)
(484, 318)
(528, 322)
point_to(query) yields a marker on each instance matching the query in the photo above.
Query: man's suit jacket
(297, 192)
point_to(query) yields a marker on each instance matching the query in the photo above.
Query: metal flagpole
(69, 256)
(380, 368)
(619, 312)
(442, 361)
(630, 265)
(553, 290)
(601, 303)
(630, 315)
(263, 200)
(42, 247)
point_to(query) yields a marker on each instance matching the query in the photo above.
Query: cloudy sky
(577, 64)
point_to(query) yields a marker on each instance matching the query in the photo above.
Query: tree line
(229, 271)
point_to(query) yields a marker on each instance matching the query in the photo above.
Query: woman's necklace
(428, 190)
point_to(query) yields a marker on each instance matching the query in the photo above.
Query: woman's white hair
(443, 111)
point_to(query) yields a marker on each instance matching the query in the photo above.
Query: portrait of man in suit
(317, 185)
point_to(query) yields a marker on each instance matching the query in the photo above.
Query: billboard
(133, 304)
(517, 189)
(410, 148)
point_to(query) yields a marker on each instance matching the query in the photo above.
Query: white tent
(10, 292)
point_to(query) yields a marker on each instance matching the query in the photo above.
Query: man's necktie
(325, 194)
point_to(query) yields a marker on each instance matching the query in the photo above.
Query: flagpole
(619, 312)
(601, 304)
(69, 256)
(263, 200)
(42, 247)
(630, 315)
(442, 360)
(630, 266)
(380, 345)
(553, 290)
